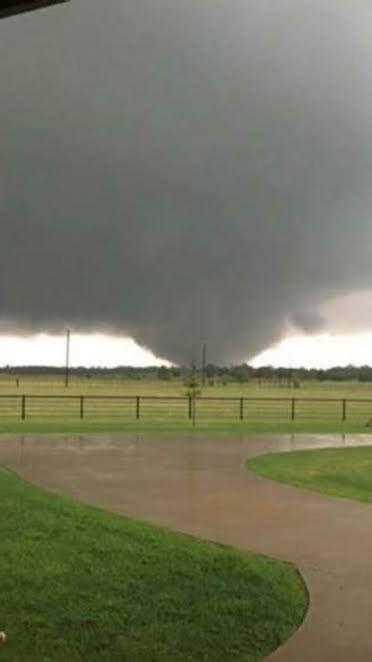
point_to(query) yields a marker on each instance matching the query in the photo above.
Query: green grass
(271, 414)
(342, 472)
(103, 385)
(78, 583)
(216, 427)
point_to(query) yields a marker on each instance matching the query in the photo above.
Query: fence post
(23, 407)
(137, 406)
(241, 412)
(293, 409)
(81, 406)
(344, 410)
(190, 408)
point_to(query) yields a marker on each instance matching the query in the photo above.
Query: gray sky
(181, 171)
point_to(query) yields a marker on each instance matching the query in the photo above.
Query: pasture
(107, 385)
(105, 403)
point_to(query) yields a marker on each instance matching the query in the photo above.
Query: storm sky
(183, 171)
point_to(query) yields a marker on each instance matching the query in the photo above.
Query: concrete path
(200, 486)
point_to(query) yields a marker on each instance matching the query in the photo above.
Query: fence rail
(127, 407)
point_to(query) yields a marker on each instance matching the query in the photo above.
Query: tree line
(212, 374)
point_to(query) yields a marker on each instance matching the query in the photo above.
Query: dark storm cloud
(181, 171)
(309, 321)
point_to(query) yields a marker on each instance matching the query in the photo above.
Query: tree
(193, 390)
(163, 373)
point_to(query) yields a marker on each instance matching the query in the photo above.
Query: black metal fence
(129, 407)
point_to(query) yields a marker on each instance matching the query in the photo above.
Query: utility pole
(204, 362)
(67, 368)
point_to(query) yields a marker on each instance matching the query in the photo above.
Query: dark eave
(11, 7)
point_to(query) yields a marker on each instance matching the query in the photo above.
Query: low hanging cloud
(184, 171)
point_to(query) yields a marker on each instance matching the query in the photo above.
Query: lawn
(78, 583)
(343, 472)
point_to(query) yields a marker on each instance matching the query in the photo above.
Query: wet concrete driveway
(200, 486)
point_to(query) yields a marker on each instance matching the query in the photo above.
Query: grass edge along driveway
(143, 426)
(81, 583)
(342, 472)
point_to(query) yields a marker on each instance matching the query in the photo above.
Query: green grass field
(343, 472)
(219, 427)
(102, 385)
(78, 583)
(270, 410)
